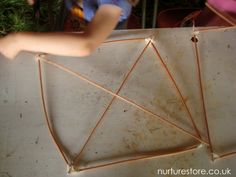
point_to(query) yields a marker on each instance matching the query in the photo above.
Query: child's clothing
(89, 8)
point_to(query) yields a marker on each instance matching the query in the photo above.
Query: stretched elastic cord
(214, 156)
(60, 149)
(177, 88)
(212, 29)
(109, 105)
(147, 156)
(225, 17)
(202, 92)
(226, 155)
(76, 74)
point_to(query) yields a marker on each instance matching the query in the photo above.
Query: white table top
(74, 106)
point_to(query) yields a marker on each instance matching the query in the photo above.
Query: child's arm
(61, 43)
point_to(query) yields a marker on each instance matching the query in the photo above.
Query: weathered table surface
(26, 149)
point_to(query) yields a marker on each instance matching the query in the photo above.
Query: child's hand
(9, 46)
(31, 2)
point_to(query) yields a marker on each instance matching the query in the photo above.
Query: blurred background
(51, 15)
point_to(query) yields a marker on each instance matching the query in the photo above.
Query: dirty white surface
(26, 149)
